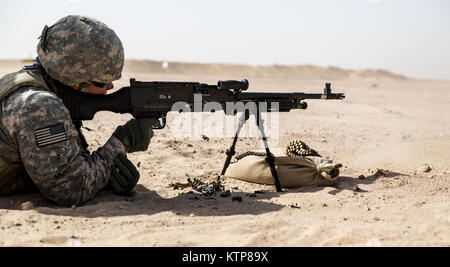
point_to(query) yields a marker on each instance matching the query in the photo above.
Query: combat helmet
(79, 49)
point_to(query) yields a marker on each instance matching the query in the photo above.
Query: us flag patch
(50, 135)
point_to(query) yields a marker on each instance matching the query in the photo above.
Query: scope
(234, 85)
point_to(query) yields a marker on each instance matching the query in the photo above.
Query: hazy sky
(410, 37)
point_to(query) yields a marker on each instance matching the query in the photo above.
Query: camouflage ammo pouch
(292, 171)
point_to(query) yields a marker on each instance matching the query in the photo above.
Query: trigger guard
(162, 124)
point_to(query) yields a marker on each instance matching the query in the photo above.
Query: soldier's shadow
(148, 202)
(185, 203)
(352, 183)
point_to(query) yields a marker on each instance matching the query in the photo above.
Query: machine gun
(156, 99)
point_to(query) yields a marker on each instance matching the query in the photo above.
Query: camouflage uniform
(40, 146)
(64, 171)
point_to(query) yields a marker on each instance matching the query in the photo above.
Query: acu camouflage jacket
(41, 147)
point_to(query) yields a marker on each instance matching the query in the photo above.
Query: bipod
(269, 158)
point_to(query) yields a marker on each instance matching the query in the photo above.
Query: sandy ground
(387, 121)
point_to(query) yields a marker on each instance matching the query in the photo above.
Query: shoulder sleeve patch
(50, 135)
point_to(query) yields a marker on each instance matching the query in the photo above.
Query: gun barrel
(266, 97)
(336, 96)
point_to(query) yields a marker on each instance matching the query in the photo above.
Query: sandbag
(292, 171)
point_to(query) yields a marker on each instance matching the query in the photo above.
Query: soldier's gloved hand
(124, 176)
(136, 134)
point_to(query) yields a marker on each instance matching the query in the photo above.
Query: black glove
(136, 134)
(124, 176)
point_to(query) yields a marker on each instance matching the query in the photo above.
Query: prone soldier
(40, 145)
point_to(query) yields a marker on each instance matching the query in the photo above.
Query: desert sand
(391, 133)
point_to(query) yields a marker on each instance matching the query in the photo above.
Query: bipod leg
(269, 159)
(230, 152)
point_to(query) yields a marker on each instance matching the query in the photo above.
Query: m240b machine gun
(156, 99)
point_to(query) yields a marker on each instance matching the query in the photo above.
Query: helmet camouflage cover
(79, 49)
